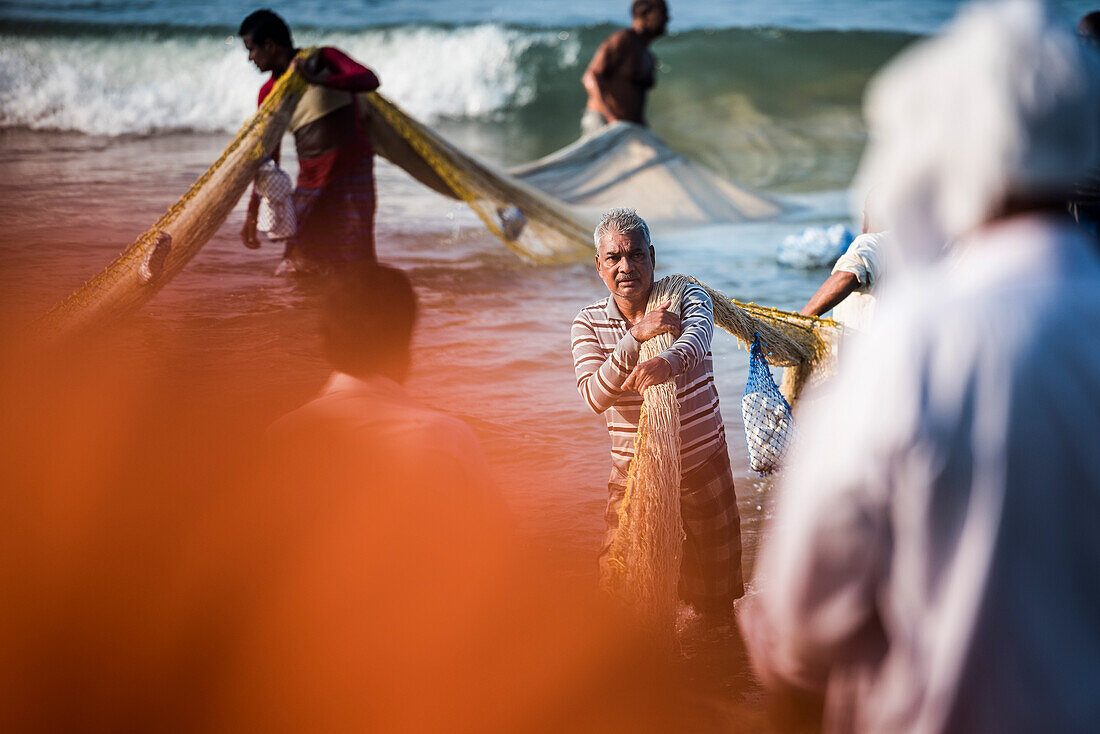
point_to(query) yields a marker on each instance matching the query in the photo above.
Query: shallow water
(109, 111)
(492, 345)
(91, 154)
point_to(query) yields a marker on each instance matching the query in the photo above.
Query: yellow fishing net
(643, 563)
(158, 254)
(531, 223)
(644, 558)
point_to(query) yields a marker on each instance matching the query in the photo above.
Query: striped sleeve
(599, 378)
(697, 324)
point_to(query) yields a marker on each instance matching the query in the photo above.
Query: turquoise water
(920, 16)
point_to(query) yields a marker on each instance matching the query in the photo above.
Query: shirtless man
(623, 69)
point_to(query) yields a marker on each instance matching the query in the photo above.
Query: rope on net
(643, 565)
(802, 344)
(530, 222)
(181, 232)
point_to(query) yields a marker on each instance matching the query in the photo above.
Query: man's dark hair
(640, 7)
(264, 25)
(367, 320)
(1088, 27)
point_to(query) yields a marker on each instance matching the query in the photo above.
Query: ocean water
(921, 16)
(109, 110)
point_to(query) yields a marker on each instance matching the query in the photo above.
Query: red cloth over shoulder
(266, 90)
(346, 72)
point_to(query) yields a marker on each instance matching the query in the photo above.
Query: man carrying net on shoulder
(606, 341)
(334, 200)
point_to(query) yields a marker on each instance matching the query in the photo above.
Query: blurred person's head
(872, 218)
(1088, 28)
(998, 115)
(267, 38)
(624, 256)
(650, 17)
(367, 323)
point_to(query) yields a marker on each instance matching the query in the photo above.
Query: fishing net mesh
(769, 428)
(529, 222)
(177, 236)
(644, 557)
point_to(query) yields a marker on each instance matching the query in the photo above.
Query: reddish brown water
(492, 345)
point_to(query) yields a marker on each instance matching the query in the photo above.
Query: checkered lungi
(710, 568)
(336, 221)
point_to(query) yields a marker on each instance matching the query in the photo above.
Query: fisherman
(335, 198)
(849, 289)
(606, 339)
(933, 559)
(623, 69)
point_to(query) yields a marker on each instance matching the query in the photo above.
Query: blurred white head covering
(1006, 103)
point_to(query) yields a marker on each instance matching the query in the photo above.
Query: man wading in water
(623, 69)
(607, 338)
(334, 200)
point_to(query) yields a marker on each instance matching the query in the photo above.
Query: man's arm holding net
(600, 379)
(697, 322)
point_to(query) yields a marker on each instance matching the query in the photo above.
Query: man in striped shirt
(606, 339)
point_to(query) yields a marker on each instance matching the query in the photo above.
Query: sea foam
(144, 82)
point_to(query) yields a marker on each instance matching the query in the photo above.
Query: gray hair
(620, 221)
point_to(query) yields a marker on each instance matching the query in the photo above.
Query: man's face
(625, 265)
(262, 55)
(656, 20)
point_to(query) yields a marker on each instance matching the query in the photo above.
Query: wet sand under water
(492, 345)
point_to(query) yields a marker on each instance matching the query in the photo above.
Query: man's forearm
(360, 81)
(835, 289)
(693, 343)
(600, 386)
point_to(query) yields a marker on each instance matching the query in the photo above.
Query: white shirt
(863, 259)
(934, 564)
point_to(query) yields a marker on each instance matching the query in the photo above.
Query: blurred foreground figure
(1088, 28)
(368, 316)
(933, 563)
(348, 572)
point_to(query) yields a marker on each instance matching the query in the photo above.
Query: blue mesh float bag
(769, 427)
